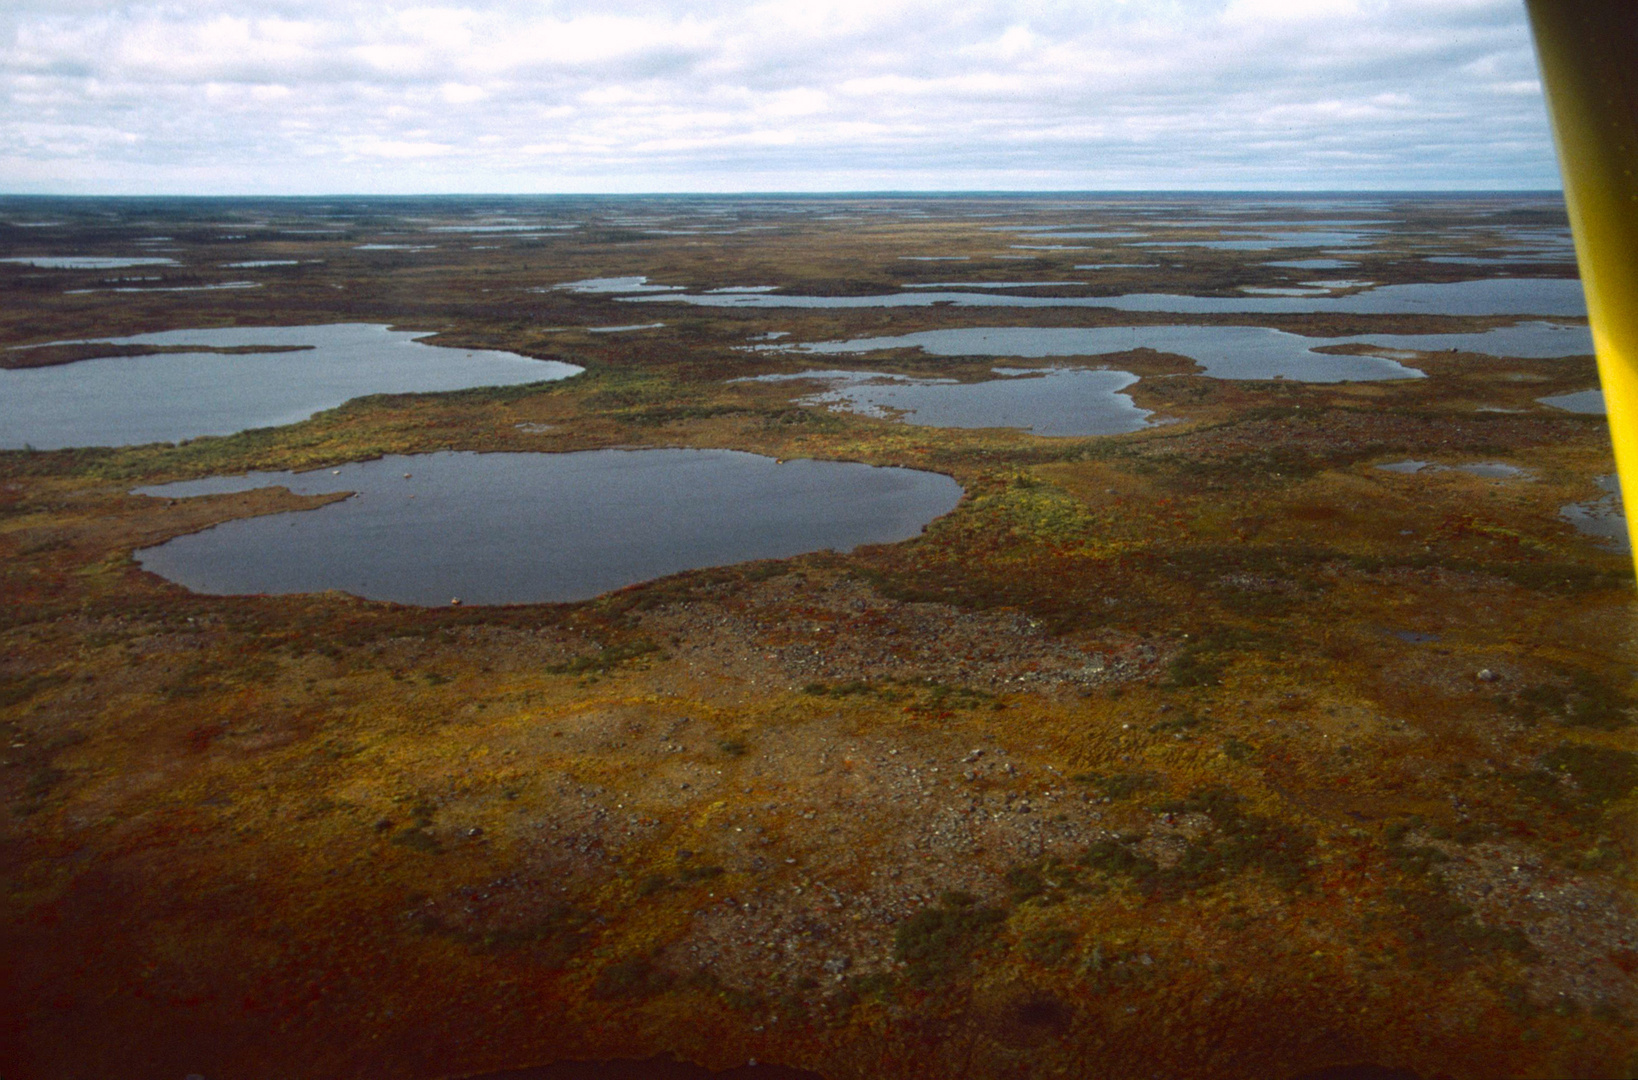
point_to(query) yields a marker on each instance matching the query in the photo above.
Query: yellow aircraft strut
(1588, 50)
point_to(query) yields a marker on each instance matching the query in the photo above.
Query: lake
(1223, 352)
(86, 262)
(128, 400)
(1051, 401)
(522, 528)
(1488, 296)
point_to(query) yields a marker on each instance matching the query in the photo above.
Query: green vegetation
(1238, 842)
(1119, 785)
(937, 943)
(607, 658)
(632, 977)
(1203, 660)
(1586, 702)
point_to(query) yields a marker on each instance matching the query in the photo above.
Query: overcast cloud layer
(311, 96)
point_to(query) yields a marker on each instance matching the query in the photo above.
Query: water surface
(86, 262)
(1314, 264)
(1581, 401)
(1051, 401)
(1489, 296)
(532, 528)
(1604, 517)
(978, 285)
(1484, 470)
(1224, 352)
(127, 400)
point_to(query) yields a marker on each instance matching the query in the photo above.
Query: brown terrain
(1207, 750)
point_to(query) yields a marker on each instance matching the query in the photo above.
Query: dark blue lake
(533, 528)
(129, 400)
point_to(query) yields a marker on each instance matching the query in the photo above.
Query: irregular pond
(638, 284)
(127, 400)
(1224, 352)
(1314, 264)
(522, 528)
(985, 285)
(1484, 470)
(1270, 241)
(86, 262)
(1489, 296)
(1603, 517)
(1582, 401)
(1054, 401)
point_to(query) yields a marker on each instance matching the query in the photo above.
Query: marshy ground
(1211, 749)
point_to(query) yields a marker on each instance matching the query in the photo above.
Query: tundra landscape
(923, 636)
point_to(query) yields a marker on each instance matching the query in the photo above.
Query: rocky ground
(1213, 749)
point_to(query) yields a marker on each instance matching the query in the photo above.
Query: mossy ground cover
(1163, 752)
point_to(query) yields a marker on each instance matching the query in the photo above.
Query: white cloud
(524, 95)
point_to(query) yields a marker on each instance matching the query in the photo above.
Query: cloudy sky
(325, 96)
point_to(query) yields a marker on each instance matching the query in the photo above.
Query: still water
(1054, 401)
(86, 262)
(1604, 517)
(128, 400)
(1489, 296)
(1223, 352)
(1590, 402)
(534, 528)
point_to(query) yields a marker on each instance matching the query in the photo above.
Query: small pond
(1604, 517)
(1053, 401)
(1484, 470)
(86, 262)
(1581, 401)
(536, 528)
(991, 284)
(1270, 241)
(129, 400)
(1314, 264)
(1224, 352)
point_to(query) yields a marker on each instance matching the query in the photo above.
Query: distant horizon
(580, 97)
(879, 193)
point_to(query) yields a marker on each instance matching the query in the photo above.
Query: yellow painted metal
(1588, 51)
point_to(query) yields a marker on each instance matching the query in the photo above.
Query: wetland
(879, 655)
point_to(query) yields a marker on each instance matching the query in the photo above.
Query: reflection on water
(120, 401)
(1490, 296)
(1271, 241)
(1604, 517)
(85, 262)
(638, 284)
(1054, 401)
(1225, 352)
(1485, 470)
(1582, 401)
(533, 528)
(990, 284)
(1314, 264)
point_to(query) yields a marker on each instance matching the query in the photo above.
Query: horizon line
(787, 194)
